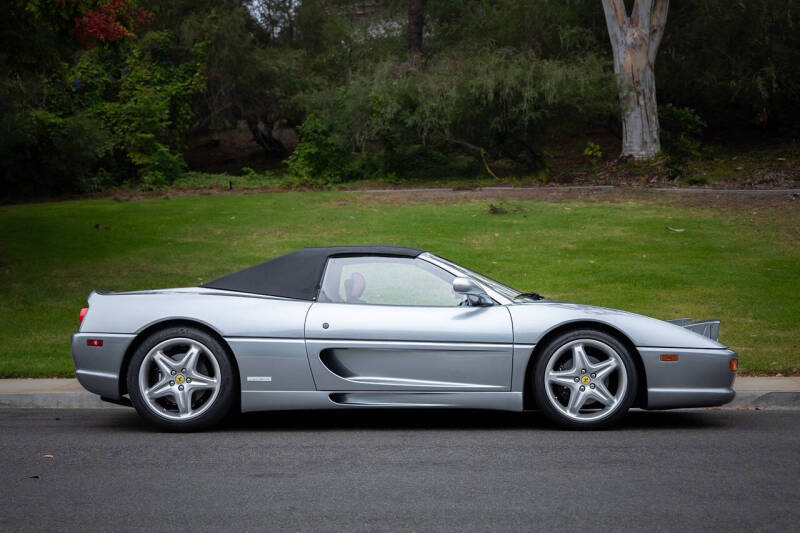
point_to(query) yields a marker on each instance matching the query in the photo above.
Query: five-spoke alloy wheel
(181, 378)
(584, 379)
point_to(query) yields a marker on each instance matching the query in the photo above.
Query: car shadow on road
(429, 420)
(403, 419)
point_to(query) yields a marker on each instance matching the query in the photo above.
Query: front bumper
(698, 378)
(98, 367)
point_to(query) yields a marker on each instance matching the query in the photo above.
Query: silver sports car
(383, 326)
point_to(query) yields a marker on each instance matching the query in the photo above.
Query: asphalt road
(368, 471)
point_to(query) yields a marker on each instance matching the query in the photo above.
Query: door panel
(374, 347)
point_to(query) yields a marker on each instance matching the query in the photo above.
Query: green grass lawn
(742, 267)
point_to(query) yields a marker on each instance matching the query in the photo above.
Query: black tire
(211, 414)
(545, 401)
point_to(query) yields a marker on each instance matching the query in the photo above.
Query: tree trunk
(635, 39)
(263, 137)
(415, 22)
(640, 128)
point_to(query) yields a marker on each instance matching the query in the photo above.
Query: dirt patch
(705, 198)
(684, 196)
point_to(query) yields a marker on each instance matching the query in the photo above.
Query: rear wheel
(182, 379)
(585, 379)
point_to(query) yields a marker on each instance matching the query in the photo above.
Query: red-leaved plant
(107, 22)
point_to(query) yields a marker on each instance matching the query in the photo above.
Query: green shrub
(152, 180)
(593, 153)
(121, 110)
(318, 160)
(424, 122)
(681, 130)
(163, 167)
(502, 100)
(97, 182)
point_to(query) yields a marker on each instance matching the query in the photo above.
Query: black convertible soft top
(298, 274)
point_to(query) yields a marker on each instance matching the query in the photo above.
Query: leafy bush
(124, 109)
(96, 182)
(593, 153)
(318, 160)
(409, 121)
(502, 100)
(681, 130)
(162, 168)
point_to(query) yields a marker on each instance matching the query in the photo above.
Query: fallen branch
(469, 146)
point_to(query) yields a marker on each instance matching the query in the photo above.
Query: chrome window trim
(432, 259)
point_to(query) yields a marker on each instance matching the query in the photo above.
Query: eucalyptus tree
(635, 38)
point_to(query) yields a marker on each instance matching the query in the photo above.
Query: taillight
(733, 365)
(82, 314)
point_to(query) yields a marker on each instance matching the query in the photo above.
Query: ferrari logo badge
(586, 379)
(179, 379)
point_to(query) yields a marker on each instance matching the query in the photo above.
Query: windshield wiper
(532, 295)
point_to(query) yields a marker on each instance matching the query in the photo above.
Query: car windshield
(509, 292)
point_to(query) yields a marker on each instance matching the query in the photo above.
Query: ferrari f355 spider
(354, 327)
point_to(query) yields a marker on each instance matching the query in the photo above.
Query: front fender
(533, 321)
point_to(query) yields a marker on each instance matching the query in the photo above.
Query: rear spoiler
(707, 328)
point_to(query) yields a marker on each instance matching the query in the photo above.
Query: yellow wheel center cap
(179, 379)
(584, 379)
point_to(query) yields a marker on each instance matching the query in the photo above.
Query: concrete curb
(761, 400)
(48, 394)
(55, 400)
(751, 393)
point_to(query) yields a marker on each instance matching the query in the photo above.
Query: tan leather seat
(354, 288)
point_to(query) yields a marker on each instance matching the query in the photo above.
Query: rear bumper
(699, 378)
(98, 367)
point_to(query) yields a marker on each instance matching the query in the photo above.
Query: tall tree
(415, 25)
(635, 39)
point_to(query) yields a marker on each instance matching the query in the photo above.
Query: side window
(387, 281)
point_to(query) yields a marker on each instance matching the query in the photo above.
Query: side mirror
(475, 294)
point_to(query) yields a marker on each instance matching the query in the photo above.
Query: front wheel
(585, 379)
(182, 379)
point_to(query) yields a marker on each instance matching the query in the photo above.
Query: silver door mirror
(475, 294)
(466, 286)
